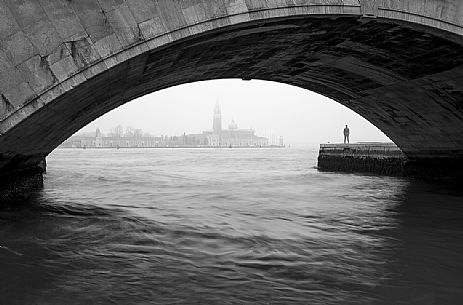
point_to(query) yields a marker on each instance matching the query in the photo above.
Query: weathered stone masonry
(63, 63)
(385, 159)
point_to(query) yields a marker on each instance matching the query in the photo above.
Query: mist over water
(228, 226)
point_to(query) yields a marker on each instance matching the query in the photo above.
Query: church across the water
(233, 136)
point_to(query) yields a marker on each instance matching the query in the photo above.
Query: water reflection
(426, 262)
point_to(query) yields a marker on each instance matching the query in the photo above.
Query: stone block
(111, 62)
(8, 24)
(95, 69)
(159, 41)
(109, 5)
(20, 94)
(220, 23)
(193, 11)
(172, 14)
(334, 10)
(124, 24)
(352, 10)
(37, 72)
(27, 13)
(121, 57)
(33, 21)
(10, 77)
(143, 10)
(49, 96)
(133, 52)
(18, 47)
(44, 37)
(264, 14)
(236, 19)
(255, 5)
(108, 45)
(64, 68)
(83, 52)
(72, 82)
(309, 10)
(93, 19)
(181, 33)
(63, 19)
(196, 11)
(203, 27)
(236, 6)
(369, 7)
(390, 166)
(215, 9)
(59, 53)
(152, 28)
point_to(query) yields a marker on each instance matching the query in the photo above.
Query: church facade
(231, 137)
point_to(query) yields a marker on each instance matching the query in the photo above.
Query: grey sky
(300, 116)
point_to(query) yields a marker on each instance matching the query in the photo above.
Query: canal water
(228, 226)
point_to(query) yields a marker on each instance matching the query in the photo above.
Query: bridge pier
(18, 185)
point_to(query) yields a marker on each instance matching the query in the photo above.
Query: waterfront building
(217, 137)
(97, 140)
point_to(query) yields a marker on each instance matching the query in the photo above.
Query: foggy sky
(302, 117)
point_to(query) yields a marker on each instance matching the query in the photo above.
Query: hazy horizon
(302, 117)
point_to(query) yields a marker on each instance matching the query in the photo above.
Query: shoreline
(157, 147)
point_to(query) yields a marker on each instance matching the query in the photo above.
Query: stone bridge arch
(63, 63)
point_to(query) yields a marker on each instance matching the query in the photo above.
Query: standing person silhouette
(346, 135)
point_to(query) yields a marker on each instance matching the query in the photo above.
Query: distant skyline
(302, 117)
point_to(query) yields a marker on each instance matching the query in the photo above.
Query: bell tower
(217, 125)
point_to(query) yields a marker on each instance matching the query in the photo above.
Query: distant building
(217, 137)
(233, 136)
(97, 140)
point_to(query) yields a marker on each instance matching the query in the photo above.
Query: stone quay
(384, 159)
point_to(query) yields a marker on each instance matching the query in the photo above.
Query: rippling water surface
(228, 226)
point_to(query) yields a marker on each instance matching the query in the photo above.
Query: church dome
(232, 125)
